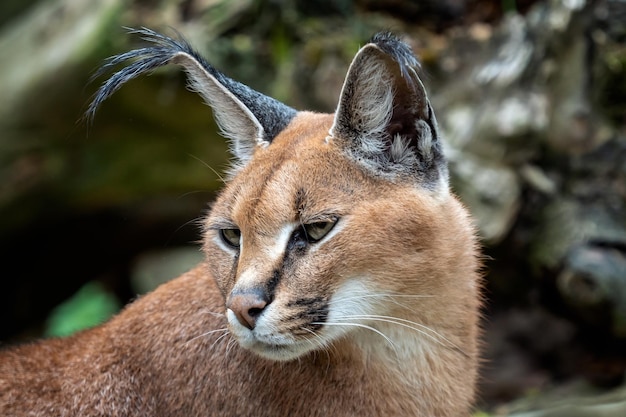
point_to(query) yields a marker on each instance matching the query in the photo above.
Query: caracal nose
(247, 307)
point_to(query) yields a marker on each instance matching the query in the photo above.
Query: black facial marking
(270, 287)
(317, 318)
(312, 310)
(300, 200)
(298, 243)
(307, 302)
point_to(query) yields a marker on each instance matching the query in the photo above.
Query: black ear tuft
(384, 119)
(246, 117)
(400, 52)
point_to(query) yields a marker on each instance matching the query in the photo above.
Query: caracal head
(326, 221)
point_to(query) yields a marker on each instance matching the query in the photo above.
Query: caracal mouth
(276, 351)
(269, 343)
(273, 346)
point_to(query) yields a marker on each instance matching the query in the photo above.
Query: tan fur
(167, 355)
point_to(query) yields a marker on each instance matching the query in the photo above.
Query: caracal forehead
(301, 173)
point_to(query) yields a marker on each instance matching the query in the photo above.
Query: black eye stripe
(297, 242)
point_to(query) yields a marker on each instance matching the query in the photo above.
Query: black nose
(247, 306)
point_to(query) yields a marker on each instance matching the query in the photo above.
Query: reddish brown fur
(158, 357)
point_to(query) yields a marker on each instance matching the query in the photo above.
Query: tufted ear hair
(384, 119)
(246, 117)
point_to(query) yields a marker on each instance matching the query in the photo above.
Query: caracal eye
(316, 231)
(231, 236)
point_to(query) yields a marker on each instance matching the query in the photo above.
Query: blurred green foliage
(90, 306)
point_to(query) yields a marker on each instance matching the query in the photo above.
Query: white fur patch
(359, 311)
(277, 249)
(246, 279)
(352, 298)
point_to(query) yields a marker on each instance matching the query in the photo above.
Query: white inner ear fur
(401, 153)
(371, 107)
(235, 121)
(425, 139)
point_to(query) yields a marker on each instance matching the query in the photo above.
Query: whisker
(216, 314)
(359, 297)
(364, 326)
(230, 342)
(317, 342)
(206, 334)
(390, 297)
(218, 339)
(229, 347)
(420, 328)
(321, 344)
(209, 166)
(188, 193)
(187, 223)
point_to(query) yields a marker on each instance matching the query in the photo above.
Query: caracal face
(306, 246)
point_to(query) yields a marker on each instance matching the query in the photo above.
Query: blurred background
(530, 96)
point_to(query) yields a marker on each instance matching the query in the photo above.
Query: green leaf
(90, 306)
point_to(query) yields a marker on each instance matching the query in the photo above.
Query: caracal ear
(246, 117)
(384, 120)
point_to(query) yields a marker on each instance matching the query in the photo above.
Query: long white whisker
(360, 297)
(397, 299)
(213, 313)
(320, 342)
(218, 339)
(364, 326)
(206, 334)
(229, 346)
(230, 342)
(420, 328)
(317, 342)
